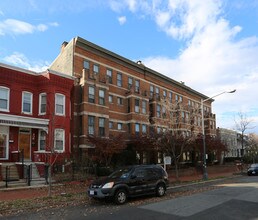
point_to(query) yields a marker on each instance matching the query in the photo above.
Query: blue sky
(210, 45)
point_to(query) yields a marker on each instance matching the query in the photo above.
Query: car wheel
(120, 197)
(160, 190)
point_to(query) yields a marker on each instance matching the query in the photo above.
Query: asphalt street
(235, 200)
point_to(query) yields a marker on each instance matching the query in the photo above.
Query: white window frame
(119, 126)
(144, 128)
(119, 80)
(109, 73)
(63, 104)
(31, 101)
(40, 103)
(144, 106)
(63, 140)
(101, 97)
(91, 127)
(137, 128)
(96, 68)
(8, 98)
(39, 139)
(110, 99)
(5, 132)
(137, 105)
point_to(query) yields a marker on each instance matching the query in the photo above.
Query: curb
(202, 182)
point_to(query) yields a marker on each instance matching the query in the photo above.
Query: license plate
(92, 192)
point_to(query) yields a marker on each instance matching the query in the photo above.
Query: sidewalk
(29, 192)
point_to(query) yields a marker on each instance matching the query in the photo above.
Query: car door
(138, 181)
(152, 178)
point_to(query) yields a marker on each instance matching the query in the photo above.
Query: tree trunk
(177, 173)
(50, 180)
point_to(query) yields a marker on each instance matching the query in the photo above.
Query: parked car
(130, 182)
(253, 169)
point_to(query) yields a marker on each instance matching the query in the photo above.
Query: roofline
(36, 73)
(139, 66)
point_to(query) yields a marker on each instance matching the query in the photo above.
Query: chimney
(63, 46)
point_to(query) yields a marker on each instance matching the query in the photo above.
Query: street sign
(167, 160)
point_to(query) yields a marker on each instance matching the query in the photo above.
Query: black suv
(129, 182)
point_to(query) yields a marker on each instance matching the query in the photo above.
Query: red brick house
(35, 115)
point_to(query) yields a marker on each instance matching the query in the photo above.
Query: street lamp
(205, 174)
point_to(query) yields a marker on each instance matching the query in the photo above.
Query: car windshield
(121, 173)
(254, 165)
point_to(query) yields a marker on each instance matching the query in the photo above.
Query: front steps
(13, 175)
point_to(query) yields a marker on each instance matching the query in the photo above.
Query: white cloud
(13, 26)
(122, 20)
(213, 59)
(19, 59)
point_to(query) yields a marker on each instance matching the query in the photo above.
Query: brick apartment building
(35, 115)
(116, 95)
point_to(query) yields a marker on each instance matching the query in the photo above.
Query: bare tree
(179, 127)
(106, 147)
(242, 125)
(252, 148)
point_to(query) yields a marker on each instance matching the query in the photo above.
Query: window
(137, 128)
(137, 86)
(137, 105)
(3, 143)
(119, 126)
(101, 127)
(170, 96)
(119, 101)
(91, 128)
(119, 79)
(96, 68)
(151, 90)
(59, 140)
(111, 125)
(4, 99)
(187, 117)
(158, 111)
(179, 98)
(130, 82)
(164, 94)
(102, 97)
(86, 64)
(183, 116)
(42, 103)
(144, 106)
(42, 140)
(110, 99)
(109, 75)
(163, 111)
(60, 104)
(91, 94)
(144, 129)
(157, 92)
(27, 102)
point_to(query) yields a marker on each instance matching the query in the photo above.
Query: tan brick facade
(125, 102)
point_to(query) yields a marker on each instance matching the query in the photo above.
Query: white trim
(22, 121)
(5, 131)
(40, 102)
(63, 133)
(63, 96)
(8, 99)
(31, 101)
